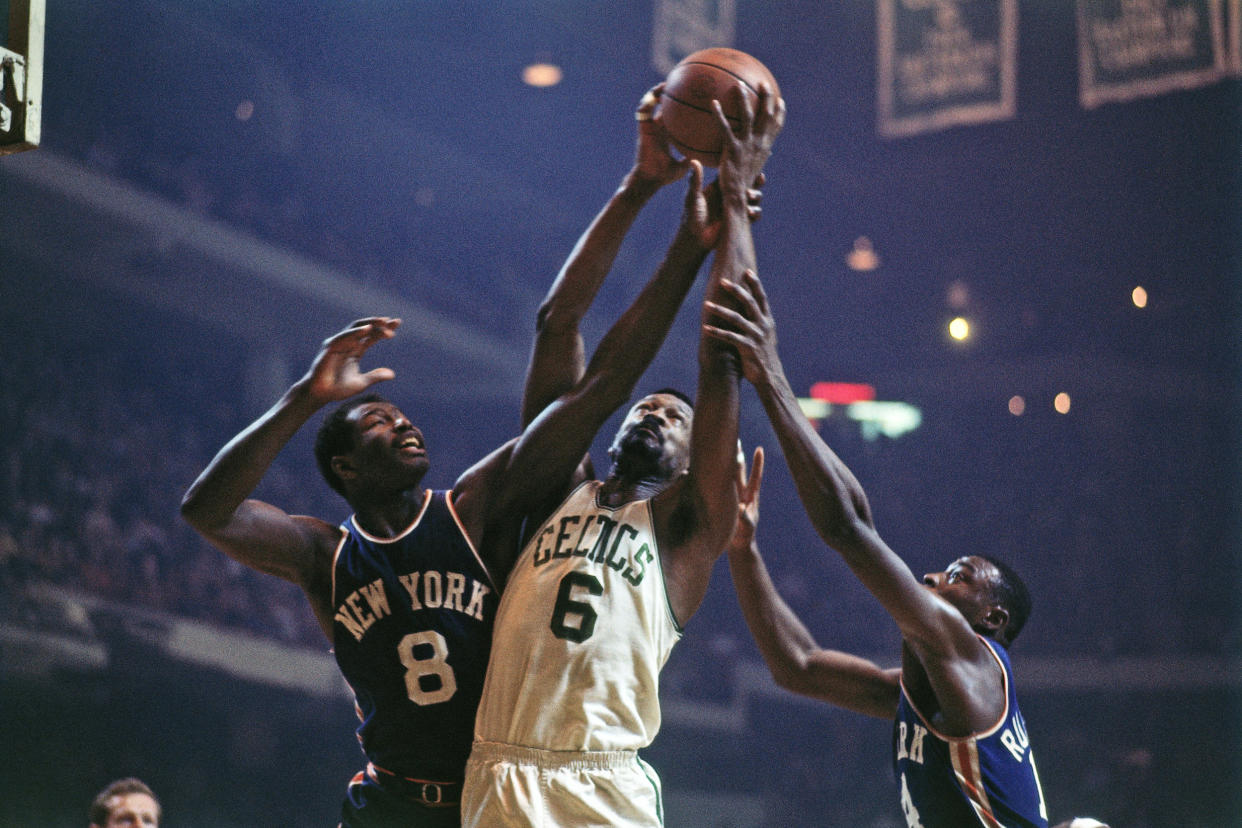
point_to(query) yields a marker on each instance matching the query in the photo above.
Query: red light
(842, 393)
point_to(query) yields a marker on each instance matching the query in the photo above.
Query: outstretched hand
(747, 500)
(336, 374)
(750, 329)
(702, 209)
(746, 149)
(653, 160)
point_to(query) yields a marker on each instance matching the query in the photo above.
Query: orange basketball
(686, 106)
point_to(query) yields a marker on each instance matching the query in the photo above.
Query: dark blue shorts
(379, 799)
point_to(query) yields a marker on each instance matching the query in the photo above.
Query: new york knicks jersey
(581, 634)
(987, 780)
(411, 634)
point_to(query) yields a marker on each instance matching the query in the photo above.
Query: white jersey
(583, 630)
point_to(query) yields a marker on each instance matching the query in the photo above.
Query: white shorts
(515, 787)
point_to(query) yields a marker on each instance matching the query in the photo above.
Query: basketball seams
(731, 118)
(739, 78)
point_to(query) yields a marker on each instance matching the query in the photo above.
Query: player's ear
(995, 620)
(344, 467)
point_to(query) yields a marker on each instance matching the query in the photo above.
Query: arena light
(891, 419)
(542, 74)
(813, 409)
(862, 256)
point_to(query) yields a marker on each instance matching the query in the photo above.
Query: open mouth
(412, 443)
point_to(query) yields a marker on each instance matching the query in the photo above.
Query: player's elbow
(791, 672)
(196, 512)
(556, 318)
(848, 533)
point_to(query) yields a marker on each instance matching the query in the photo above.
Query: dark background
(166, 269)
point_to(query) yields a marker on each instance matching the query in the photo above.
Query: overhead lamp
(862, 257)
(542, 74)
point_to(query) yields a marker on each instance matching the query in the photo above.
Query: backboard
(21, 76)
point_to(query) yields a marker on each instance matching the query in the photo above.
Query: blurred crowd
(96, 454)
(96, 451)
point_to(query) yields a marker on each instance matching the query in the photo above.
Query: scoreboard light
(857, 400)
(842, 393)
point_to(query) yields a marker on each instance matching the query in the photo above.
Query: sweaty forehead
(363, 409)
(980, 566)
(664, 401)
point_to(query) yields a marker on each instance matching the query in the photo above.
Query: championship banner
(683, 27)
(1235, 37)
(944, 63)
(1131, 49)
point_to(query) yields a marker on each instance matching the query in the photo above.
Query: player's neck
(390, 516)
(620, 488)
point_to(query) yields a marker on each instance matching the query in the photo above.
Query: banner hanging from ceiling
(944, 63)
(682, 27)
(1130, 49)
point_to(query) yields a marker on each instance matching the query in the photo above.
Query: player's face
(966, 584)
(134, 810)
(657, 429)
(387, 444)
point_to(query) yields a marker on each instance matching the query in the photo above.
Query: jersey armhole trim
(668, 603)
(448, 499)
(336, 556)
(982, 734)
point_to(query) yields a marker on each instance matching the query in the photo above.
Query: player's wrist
(640, 185)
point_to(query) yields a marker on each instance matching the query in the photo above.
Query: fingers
(387, 321)
(748, 495)
(746, 293)
(756, 477)
(745, 111)
(755, 288)
(727, 315)
(770, 110)
(363, 333)
(721, 119)
(696, 181)
(753, 207)
(726, 336)
(648, 103)
(741, 470)
(378, 375)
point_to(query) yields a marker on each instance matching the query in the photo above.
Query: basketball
(686, 106)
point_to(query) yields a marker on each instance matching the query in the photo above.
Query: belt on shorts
(428, 792)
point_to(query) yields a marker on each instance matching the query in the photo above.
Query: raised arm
(694, 517)
(957, 663)
(796, 662)
(258, 534)
(557, 358)
(518, 480)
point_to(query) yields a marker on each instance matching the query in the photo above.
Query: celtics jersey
(582, 632)
(411, 634)
(987, 780)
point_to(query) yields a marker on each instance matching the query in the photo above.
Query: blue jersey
(412, 633)
(987, 780)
